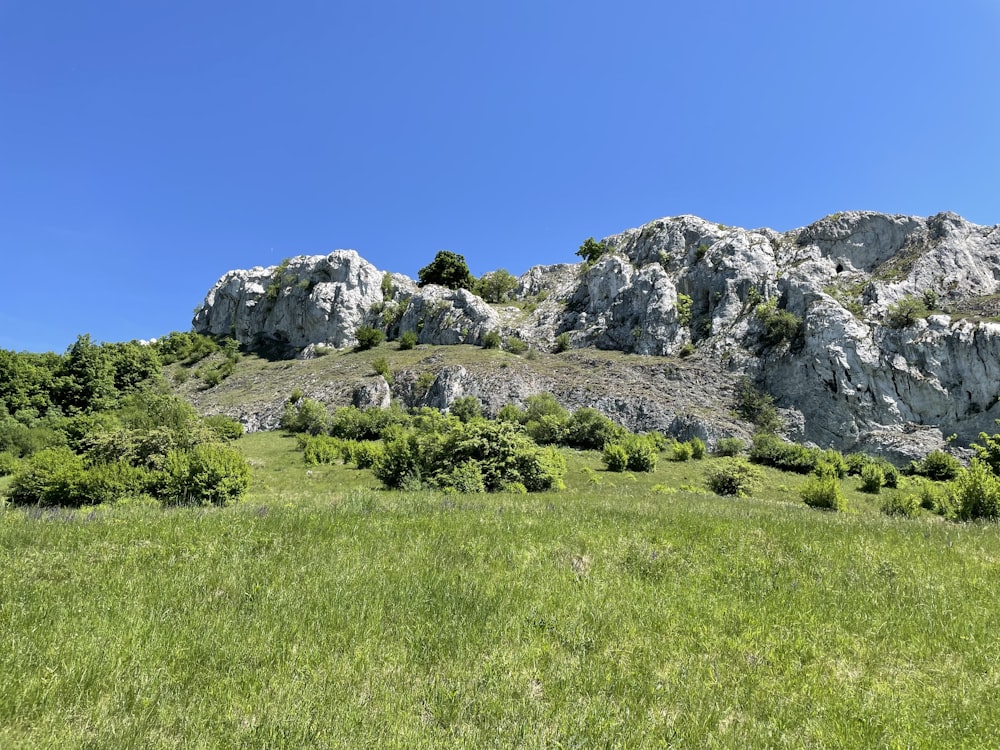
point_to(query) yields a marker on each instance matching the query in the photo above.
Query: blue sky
(148, 146)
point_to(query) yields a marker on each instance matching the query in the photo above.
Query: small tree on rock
(447, 269)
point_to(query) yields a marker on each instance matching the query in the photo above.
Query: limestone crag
(812, 315)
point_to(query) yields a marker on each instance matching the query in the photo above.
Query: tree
(496, 286)
(591, 250)
(447, 269)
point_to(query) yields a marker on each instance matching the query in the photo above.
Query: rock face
(814, 316)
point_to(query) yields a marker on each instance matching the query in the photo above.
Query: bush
(466, 408)
(547, 429)
(642, 453)
(730, 447)
(368, 338)
(408, 340)
(734, 477)
(905, 313)
(988, 451)
(491, 340)
(939, 466)
(381, 367)
(305, 415)
(365, 454)
(321, 449)
(588, 429)
(698, 448)
(757, 407)
(976, 493)
(208, 474)
(684, 306)
(51, 476)
(900, 504)
(516, 345)
(223, 427)
(682, 451)
(112, 482)
(823, 491)
(770, 450)
(9, 463)
(779, 325)
(872, 479)
(562, 343)
(467, 478)
(615, 457)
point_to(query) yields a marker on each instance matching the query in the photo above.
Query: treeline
(98, 425)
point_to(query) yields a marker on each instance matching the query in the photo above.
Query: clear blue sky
(148, 146)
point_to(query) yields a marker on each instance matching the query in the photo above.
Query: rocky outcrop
(811, 315)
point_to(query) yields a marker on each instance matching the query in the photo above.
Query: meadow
(628, 611)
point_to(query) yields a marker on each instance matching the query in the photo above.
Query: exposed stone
(844, 379)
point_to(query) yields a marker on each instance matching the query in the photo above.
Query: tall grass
(325, 613)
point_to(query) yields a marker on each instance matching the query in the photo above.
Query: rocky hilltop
(871, 331)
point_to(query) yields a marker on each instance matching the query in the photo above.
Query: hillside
(872, 332)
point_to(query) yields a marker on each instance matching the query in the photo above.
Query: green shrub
(642, 453)
(381, 367)
(988, 451)
(224, 427)
(208, 474)
(615, 457)
(905, 313)
(976, 493)
(900, 504)
(466, 408)
(516, 345)
(698, 448)
(321, 449)
(757, 407)
(400, 466)
(588, 429)
(684, 307)
(491, 340)
(112, 482)
(856, 462)
(687, 350)
(50, 476)
(305, 415)
(407, 340)
(734, 477)
(547, 429)
(770, 450)
(562, 342)
(779, 325)
(467, 478)
(730, 446)
(9, 463)
(540, 470)
(872, 479)
(823, 491)
(681, 451)
(365, 454)
(939, 466)
(834, 459)
(368, 338)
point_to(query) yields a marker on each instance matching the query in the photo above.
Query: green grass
(325, 613)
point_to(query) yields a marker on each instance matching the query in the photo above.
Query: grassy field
(326, 613)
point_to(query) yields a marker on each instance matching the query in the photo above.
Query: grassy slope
(326, 613)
